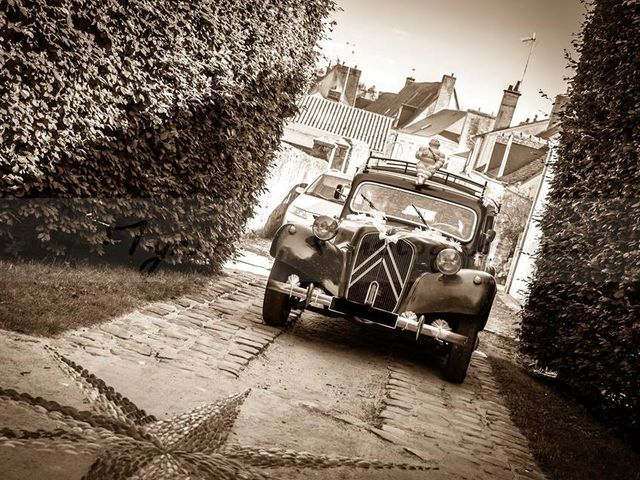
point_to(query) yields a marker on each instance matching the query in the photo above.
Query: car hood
(353, 226)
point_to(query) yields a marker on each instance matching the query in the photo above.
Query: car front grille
(380, 272)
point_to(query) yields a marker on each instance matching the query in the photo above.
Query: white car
(318, 199)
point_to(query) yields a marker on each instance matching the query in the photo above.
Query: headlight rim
(439, 261)
(333, 232)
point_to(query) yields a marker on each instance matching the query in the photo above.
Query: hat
(434, 143)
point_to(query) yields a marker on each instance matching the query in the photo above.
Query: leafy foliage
(581, 318)
(510, 225)
(122, 111)
(513, 218)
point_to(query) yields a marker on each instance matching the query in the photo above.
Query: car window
(450, 218)
(325, 186)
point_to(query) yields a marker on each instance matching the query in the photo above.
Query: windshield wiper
(422, 218)
(369, 202)
(429, 226)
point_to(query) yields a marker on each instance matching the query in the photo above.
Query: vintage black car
(405, 256)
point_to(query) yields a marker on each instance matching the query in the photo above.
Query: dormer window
(334, 94)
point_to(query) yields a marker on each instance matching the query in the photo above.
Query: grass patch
(568, 443)
(47, 297)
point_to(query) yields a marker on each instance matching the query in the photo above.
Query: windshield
(325, 186)
(449, 218)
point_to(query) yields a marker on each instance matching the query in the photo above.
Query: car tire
(276, 306)
(457, 363)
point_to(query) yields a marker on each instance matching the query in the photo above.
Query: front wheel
(276, 306)
(455, 369)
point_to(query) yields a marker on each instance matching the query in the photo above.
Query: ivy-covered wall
(582, 318)
(116, 112)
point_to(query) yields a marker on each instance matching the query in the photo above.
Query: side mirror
(490, 236)
(299, 190)
(337, 194)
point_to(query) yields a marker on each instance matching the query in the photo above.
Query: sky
(479, 41)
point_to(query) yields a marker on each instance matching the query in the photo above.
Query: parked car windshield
(449, 218)
(325, 186)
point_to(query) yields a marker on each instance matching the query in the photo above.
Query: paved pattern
(220, 328)
(465, 429)
(461, 426)
(132, 444)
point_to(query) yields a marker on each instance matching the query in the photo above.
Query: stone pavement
(176, 352)
(464, 427)
(220, 328)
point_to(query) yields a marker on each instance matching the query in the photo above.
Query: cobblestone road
(327, 385)
(218, 329)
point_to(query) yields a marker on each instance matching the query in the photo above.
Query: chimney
(445, 93)
(557, 110)
(350, 79)
(507, 107)
(408, 81)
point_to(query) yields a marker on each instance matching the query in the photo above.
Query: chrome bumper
(316, 297)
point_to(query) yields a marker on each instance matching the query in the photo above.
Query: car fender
(311, 259)
(469, 292)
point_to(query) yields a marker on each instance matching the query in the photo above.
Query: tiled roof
(523, 126)
(527, 172)
(345, 121)
(362, 102)
(415, 94)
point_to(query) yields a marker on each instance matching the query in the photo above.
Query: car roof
(455, 182)
(336, 173)
(409, 183)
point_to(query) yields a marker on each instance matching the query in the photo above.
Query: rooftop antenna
(532, 41)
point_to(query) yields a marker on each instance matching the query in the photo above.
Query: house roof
(339, 79)
(532, 169)
(462, 154)
(435, 124)
(416, 94)
(362, 102)
(551, 132)
(343, 120)
(522, 126)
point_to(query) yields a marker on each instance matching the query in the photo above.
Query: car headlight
(298, 212)
(325, 228)
(449, 261)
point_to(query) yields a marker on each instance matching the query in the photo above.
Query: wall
(476, 123)
(495, 189)
(404, 146)
(523, 262)
(290, 167)
(358, 156)
(484, 146)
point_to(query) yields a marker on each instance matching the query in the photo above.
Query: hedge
(582, 318)
(160, 115)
